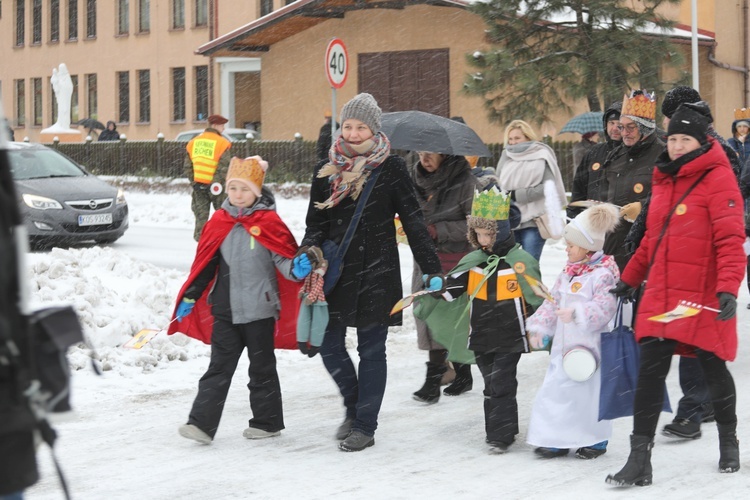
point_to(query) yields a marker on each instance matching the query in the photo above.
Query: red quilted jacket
(700, 255)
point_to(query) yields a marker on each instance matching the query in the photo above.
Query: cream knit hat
(589, 227)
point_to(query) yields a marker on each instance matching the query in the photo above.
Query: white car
(232, 134)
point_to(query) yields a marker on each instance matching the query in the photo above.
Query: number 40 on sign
(337, 63)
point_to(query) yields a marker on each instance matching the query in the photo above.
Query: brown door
(407, 80)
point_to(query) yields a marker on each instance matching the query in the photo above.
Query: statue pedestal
(48, 135)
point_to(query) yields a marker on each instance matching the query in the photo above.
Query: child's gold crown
(491, 204)
(247, 170)
(641, 105)
(742, 114)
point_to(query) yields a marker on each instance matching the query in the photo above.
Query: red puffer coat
(700, 255)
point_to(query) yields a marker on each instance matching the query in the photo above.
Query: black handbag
(334, 253)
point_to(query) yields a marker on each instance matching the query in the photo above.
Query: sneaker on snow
(589, 452)
(190, 431)
(255, 433)
(356, 441)
(498, 447)
(682, 428)
(543, 452)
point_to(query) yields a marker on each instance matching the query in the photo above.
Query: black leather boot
(463, 381)
(637, 470)
(430, 391)
(729, 448)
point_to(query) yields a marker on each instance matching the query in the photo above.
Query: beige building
(161, 66)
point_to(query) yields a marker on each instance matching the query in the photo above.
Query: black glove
(303, 348)
(623, 291)
(727, 305)
(306, 348)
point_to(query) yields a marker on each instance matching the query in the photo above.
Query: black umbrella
(91, 124)
(420, 131)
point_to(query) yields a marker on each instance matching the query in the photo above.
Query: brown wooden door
(407, 80)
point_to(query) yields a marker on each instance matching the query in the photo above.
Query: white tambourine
(580, 363)
(216, 189)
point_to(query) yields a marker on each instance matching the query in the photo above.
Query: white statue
(62, 84)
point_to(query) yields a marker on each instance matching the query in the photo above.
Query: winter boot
(729, 448)
(430, 391)
(463, 381)
(682, 428)
(637, 470)
(356, 441)
(543, 452)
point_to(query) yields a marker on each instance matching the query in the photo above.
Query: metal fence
(289, 161)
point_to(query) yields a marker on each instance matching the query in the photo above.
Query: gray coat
(246, 288)
(445, 197)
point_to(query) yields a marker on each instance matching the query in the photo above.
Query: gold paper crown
(491, 204)
(742, 114)
(247, 170)
(641, 105)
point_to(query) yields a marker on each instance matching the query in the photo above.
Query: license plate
(94, 220)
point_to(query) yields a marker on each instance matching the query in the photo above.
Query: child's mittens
(434, 283)
(537, 341)
(566, 314)
(301, 266)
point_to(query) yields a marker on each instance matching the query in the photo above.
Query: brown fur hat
(473, 222)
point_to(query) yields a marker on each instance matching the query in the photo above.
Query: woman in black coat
(370, 283)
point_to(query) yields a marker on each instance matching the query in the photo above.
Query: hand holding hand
(301, 266)
(566, 314)
(185, 308)
(623, 291)
(727, 306)
(537, 341)
(630, 211)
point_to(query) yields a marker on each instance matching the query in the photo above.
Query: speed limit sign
(337, 63)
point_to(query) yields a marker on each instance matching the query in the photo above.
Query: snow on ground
(121, 441)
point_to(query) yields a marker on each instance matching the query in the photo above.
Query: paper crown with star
(491, 204)
(251, 171)
(742, 114)
(639, 104)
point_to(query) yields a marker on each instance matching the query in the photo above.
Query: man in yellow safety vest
(206, 166)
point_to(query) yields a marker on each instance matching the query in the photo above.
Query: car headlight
(40, 202)
(120, 197)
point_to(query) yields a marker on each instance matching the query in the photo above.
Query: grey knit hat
(363, 107)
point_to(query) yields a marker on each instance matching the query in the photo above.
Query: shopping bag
(620, 360)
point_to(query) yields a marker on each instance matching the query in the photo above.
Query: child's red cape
(271, 232)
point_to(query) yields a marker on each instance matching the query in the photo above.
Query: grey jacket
(246, 288)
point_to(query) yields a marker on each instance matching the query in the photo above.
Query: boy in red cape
(242, 291)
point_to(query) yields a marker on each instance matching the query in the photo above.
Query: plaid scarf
(349, 167)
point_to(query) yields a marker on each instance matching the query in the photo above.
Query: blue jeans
(696, 399)
(363, 395)
(531, 241)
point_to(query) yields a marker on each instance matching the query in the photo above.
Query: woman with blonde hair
(524, 168)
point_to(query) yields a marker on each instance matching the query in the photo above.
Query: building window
(72, 19)
(54, 20)
(201, 12)
(20, 103)
(123, 17)
(20, 22)
(201, 93)
(266, 7)
(91, 96)
(123, 96)
(178, 94)
(74, 115)
(36, 22)
(144, 19)
(144, 96)
(290, 1)
(90, 18)
(178, 14)
(36, 88)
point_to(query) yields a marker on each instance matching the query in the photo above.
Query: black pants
(500, 388)
(227, 344)
(656, 357)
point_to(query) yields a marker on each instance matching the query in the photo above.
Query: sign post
(337, 69)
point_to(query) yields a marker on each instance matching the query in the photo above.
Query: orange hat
(217, 120)
(327, 114)
(250, 171)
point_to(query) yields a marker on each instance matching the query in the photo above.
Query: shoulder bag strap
(349, 235)
(669, 217)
